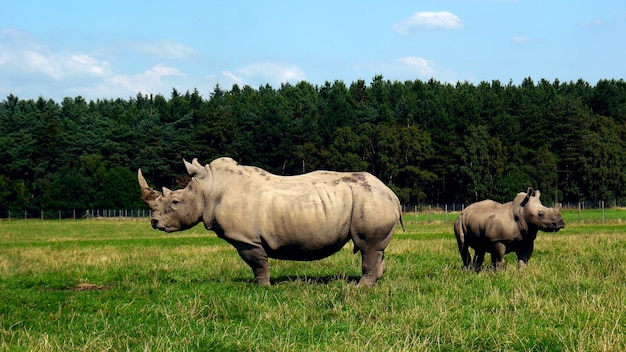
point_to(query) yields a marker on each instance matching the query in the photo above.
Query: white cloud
(233, 78)
(404, 68)
(83, 63)
(428, 19)
(411, 68)
(38, 63)
(419, 65)
(261, 73)
(23, 57)
(521, 40)
(29, 69)
(272, 72)
(164, 49)
(598, 22)
(161, 70)
(152, 80)
(27, 66)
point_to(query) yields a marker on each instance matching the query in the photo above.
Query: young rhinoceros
(304, 217)
(488, 226)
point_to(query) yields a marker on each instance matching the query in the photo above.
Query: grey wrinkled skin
(491, 227)
(304, 217)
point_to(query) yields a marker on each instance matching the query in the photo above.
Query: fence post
(602, 205)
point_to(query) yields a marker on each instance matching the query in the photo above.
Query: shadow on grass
(310, 280)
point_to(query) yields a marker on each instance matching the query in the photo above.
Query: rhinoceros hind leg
(465, 256)
(256, 258)
(373, 266)
(459, 232)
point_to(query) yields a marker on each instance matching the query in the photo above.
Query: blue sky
(110, 49)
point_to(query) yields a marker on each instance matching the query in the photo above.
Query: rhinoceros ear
(195, 169)
(526, 199)
(148, 195)
(537, 194)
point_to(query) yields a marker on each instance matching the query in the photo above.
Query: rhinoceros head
(536, 215)
(176, 210)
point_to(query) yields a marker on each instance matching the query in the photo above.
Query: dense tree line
(432, 142)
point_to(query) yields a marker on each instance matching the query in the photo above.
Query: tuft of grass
(119, 285)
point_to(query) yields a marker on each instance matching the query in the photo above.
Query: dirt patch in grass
(84, 286)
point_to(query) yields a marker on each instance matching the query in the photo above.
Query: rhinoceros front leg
(256, 258)
(523, 255)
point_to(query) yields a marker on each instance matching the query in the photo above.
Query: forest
(430, 141)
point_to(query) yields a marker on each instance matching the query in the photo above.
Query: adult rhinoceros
(488, 226)
(305, 217)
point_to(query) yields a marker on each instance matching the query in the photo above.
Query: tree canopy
(432, 142)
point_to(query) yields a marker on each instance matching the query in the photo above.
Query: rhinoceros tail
(459, 232)
(401, 220)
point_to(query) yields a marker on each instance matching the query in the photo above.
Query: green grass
(119, 285)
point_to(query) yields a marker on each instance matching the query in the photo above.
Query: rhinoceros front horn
(148, 195)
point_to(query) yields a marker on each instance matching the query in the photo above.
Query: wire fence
(77, 214)
(582, 212)
(456, 207)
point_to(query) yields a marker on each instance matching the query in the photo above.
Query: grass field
(94, 285)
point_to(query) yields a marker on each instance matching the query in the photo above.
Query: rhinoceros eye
(175, 204)
(541, 215)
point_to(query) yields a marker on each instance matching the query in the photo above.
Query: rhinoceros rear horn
(148, 195)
